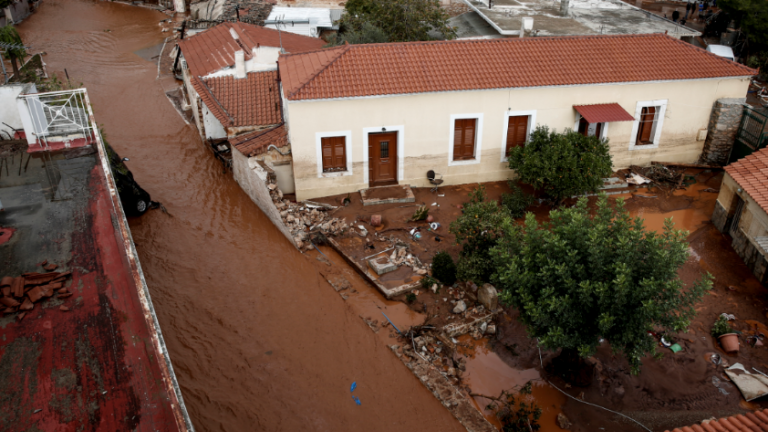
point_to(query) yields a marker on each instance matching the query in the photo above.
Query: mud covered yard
(677, 390)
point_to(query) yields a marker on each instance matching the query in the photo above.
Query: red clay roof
(751, 173)
(602, 113)
(215, 48)
(250, 101)
(749, 422)
(254, 143)
(436, 66)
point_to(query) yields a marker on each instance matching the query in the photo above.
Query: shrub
(427, 282)
(516, 202)
(443, 268)
(721, 327)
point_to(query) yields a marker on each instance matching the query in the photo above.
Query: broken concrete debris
(460, 307)
(19, 294)
(488, 297)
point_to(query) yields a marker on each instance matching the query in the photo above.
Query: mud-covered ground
(674, 391)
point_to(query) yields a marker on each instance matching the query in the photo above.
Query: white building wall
(424, 121)
(9, 110)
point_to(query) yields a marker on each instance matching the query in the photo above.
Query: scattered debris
(563, 421)
(751, 386)
(19, 294)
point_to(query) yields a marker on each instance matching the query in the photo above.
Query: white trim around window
(478, 138)
(400, 129)
(531, 125)
(659, 122)
(347, 152)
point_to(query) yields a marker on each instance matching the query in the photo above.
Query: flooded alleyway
(258, 339)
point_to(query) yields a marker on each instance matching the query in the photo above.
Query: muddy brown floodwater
(258, 338)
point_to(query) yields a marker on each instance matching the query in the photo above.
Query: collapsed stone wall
(721, 131)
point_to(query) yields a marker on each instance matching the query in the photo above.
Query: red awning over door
(603, 113)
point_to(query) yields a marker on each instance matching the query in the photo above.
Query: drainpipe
(564, 7)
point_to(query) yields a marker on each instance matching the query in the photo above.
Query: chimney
(564, 7)
(240, 64)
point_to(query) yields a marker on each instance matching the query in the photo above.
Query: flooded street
(258, 339)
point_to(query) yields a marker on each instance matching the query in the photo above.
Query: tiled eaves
(751, 173)
(255, 143)
(756, 421)
(437, 66)
(235, 102)
(211, 102)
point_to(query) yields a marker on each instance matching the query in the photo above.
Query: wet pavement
(258, 338)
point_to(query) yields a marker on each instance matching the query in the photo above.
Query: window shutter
(647, 118)
(458, 139)
(517, 131)
(327, 149)
(339, 154)
(464, 139)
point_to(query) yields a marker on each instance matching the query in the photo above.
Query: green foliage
(517, 201)
(479, 228)
(443, 268)
(8, 34)
(721, 327)
(427, 282)
(579, 278)
(368, 33)
(410, 297)
(759, 61)
(519, 414)
(398, 20)
(561, 165)
(420, 214)
(752, 16)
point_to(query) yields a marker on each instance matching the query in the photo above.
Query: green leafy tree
(577, 279)
(479, 228)
(368, 33)
(561, 165)
(399, 20)
(517, 201)
(443, 268)
(752, 16)
(8, 34)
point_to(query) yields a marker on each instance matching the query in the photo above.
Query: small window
(646, 129)
(464, 134)
(590, 129)
(384, 145)
(334, 154)
(517, 131)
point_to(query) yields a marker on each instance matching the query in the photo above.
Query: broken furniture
(434, 179)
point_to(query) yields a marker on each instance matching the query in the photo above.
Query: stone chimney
(240, 64)
(564, 7)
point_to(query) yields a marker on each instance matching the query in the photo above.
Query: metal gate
(752, 134)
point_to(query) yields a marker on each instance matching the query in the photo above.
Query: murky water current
(258, 339)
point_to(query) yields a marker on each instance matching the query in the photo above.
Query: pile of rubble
(21, 293)
(252, 12)
(661, 175)
(400, 256)
(303, 218)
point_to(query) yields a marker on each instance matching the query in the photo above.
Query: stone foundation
(720, 217)
(721, 131)
(749, 252)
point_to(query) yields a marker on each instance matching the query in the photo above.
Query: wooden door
(382, 158)
(464, 131)
(517, 131)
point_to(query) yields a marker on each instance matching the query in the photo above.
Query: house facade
(741, 210)
(367, 115)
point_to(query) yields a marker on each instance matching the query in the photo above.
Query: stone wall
(252, 177)
(720, 217)
(721, 131)
(750, 253)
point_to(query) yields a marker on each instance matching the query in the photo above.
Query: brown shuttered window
(334, 154)
(464, 139)
(517, 131)
(645, 128)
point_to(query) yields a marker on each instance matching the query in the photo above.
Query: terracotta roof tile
(420, 67)
(215, 48)
(600, 113)
(751, 422)
(250, 101)
(751, 173)
(254, 143)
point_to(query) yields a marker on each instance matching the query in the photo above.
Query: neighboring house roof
(751, 173)
(250, 101)
(603, 113)
(749, 422)
(437, 66)
(215, 48)
(254, 143)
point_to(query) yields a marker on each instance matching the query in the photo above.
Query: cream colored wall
(754, 220)
(426, 121)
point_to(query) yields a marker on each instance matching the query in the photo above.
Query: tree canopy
(580, 278)
(561, 164)
(752, 16)
(399, 20)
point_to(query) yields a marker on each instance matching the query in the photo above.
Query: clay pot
(730, 342)
(376, 220)
(430, 219)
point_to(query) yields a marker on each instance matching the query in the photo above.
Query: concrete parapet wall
(721, 130)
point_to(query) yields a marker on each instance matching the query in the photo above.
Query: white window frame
(603, 132)
(531, 125)
(400, 129)
(478, 138)
(656, 132)
(347, 152)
